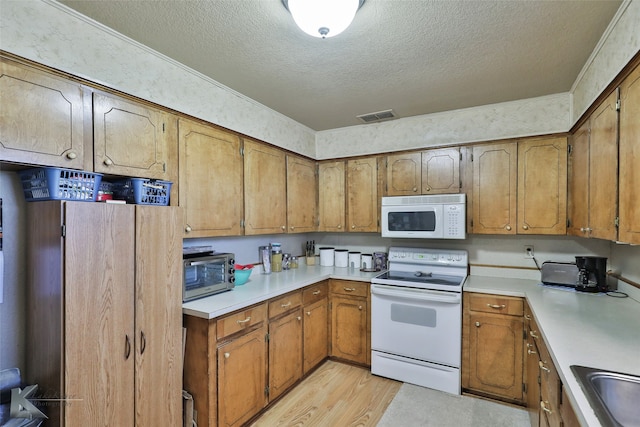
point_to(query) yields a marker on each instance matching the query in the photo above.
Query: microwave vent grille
(422, 200)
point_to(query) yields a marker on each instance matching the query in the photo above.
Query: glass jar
(286, 261)
(294, 262)
(276, 257)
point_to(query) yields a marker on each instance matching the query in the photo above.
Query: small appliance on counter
(587, 274)
(206, 272)
(592, 276)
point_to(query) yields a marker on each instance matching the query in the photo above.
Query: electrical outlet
(528, 251)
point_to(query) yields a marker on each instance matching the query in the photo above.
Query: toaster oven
(207, 273)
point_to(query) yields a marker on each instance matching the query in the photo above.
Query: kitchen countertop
(592, 330)
(262, 287)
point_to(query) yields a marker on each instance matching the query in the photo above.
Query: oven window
(421, 316)
(412, 221)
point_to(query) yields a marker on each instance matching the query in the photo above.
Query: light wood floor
(335, 394)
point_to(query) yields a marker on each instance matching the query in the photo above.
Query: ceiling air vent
(378, 116)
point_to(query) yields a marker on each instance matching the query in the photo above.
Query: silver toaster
(559, 273)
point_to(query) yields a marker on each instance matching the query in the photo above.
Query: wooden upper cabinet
(494, 188)
(603, 170)
(542, 186)
(578, 182)
(41, 119)
(302, 195)
(331, 196)
(265, 191)
(629, 202)
(404, 174)
(211, 173)
(133, 139)
(441, 171)
(362, 195)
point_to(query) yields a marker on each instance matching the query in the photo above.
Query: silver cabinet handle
(349, 289)
(339, 226)
(71, 155)
(543, 405)
(108, 162)
(526, 316)
(529, 351)
(497, 307)
(316, 292)
(240, 322)
(285, 305)
(477, 324)
(508, 227)
(533, 334)
(544, 368)
(188, 228)
(525, 227)
(359, 307)
(308, 313)
(299, 318)
(226, 355)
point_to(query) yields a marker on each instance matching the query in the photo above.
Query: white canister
(326, 257)
(367, 261)
(341, 258)
(354, 260)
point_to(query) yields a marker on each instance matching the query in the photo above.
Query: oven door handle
(194, 263)
(416, 294)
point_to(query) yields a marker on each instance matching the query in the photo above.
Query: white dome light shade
(323, 18)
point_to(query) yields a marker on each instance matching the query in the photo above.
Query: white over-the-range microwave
(440, 216)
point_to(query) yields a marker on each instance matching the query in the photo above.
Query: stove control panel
(428, 256)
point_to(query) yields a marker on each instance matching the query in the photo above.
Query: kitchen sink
(613, 396)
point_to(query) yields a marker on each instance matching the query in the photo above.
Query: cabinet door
(603, 170)
(542, 186)
(404, 174)
(494, 188)
(331, 196)
(210, 180)
(441, 171)
(629, 229)
(158, 315)
(41, 119)
(133, 139)
(495, 355)
(578, 182)
(265, 192)
(285, 352)
(316, 333)
(349, 328)
(532, 381)
(99, 349)
(302, 195)
(242, 378)
(362, 195)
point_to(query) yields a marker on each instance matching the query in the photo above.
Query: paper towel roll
(326, 257)
(341, 258)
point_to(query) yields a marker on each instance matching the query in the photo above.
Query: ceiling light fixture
(323, 18)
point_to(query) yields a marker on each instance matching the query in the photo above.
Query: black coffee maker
(592, 274)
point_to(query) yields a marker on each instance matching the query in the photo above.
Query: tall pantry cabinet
(105, 312)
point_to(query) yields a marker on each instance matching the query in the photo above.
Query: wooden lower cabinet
(350, 321)
(546, 400)
(235, 365)
(492, 360)
(315, 323)
(242, 376)
(285, 346)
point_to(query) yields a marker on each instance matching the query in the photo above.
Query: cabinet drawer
(241, 320)
(347, 287)
(284, 303)
(486, 303)
(315, 293)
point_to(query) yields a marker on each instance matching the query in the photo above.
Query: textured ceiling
(412, 56)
